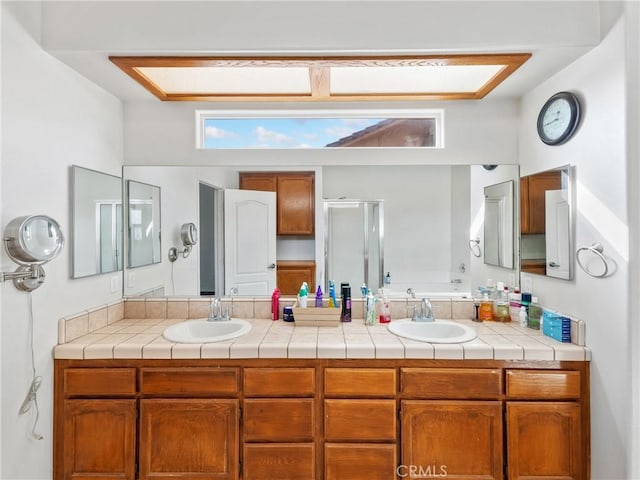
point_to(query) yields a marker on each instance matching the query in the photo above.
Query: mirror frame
(156, 232)
(567, 183)
(77, 238)
(504, 191)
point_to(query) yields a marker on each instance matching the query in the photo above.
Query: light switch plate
(527, 284)
(131, 279)
(115, 283)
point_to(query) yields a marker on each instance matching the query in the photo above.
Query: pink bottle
(275, 304)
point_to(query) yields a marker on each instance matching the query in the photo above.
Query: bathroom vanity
(472, 415)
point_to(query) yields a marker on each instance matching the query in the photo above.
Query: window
(319, 129)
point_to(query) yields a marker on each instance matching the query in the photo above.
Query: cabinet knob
(554, 264)
(272, 266)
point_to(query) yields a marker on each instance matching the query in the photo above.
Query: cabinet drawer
(278, 420)
(282, 461)
(361, 382)
(359, 461)
(452, 383)
(192, 381)
(544, 384)
(360, 420)
(100, 381)
(270, 382)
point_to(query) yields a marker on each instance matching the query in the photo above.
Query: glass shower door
(354, 243)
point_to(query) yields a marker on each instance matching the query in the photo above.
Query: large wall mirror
(143, 217)
(499, 225)
(547, 223)
(429, 211)
(97, 222)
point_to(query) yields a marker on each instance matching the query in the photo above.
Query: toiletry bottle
(485, 311)
(525, 300)
(522, 317)
(275, 304)
(535, 314)
(343, 304)
(370, 310)
(302, 296)
(387, 279)
(346, 316)
(514, 305)
(319, 297)
(333, 302)
(385, 310)
(501, 304)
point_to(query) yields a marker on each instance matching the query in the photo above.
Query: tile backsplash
(140, 308)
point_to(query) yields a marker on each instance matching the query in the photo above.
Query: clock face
(558, 118)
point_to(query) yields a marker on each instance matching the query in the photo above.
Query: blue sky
(280, 132)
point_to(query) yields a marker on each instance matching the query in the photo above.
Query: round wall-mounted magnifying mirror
(33, 240)
(189, 234)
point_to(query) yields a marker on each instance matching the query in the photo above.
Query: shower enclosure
(353, 243)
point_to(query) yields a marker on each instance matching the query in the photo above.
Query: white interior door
(557, 230)
(250, 242)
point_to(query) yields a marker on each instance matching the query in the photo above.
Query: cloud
(268, 136)
(339, 132)
(215, 132)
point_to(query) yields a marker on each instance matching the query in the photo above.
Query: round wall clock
(559, 118)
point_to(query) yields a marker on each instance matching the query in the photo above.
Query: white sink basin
(203, 331)
(440, 331)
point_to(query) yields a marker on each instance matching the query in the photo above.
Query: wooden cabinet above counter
(295, 198)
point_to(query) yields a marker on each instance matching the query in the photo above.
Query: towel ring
(596, 249)
(474, 247)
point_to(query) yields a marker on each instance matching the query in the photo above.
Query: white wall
(419, 220)
(632, 24)
(598, 153)
(51, 118)
(163, 133)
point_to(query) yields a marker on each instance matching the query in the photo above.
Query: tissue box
(556, 326)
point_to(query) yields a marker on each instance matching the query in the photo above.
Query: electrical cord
(31, 400)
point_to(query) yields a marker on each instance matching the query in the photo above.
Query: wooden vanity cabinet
(189, 423)
(360, 423)
(544, 421)
(295, 198)
(451, 422)
(279, 424)
(320, 419)
(96, 434)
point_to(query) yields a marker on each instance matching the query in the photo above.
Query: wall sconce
(31, 241)
(189, 237)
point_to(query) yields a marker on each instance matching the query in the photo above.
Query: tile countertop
(142, 339)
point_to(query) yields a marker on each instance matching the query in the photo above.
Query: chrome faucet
(215, 311)
(426, 312)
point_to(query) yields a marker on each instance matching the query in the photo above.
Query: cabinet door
(291, 274)
(264, 182)
(188, 439)
(296, 212)
(544, 440)
(533, 204)
(459, 439)
(99, 439)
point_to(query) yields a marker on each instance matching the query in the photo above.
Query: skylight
(321, 78)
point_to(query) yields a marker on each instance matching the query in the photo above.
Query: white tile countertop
(142, 339)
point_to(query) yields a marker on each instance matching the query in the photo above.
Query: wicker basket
(316, 316)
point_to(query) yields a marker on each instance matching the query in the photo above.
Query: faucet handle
(415, 317)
